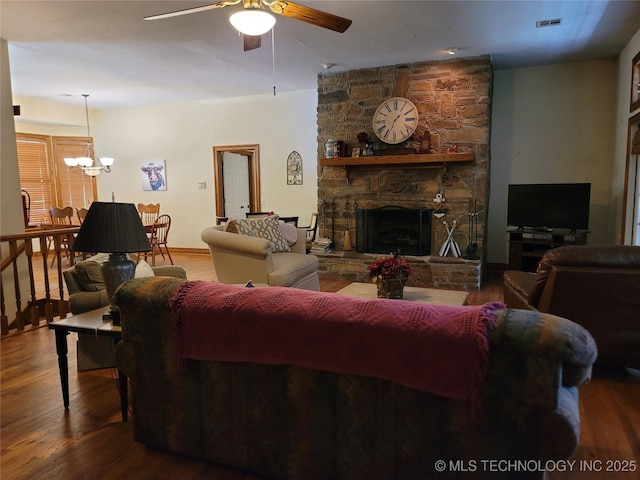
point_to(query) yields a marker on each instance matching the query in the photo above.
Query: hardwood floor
(39, 439)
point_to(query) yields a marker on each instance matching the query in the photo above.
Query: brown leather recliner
(597, 287)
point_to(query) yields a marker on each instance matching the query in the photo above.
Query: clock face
(395, 120)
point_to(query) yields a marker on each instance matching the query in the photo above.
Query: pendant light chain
(86, 111)
(86, 163)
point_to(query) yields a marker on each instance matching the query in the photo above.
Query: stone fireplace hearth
(454, 101)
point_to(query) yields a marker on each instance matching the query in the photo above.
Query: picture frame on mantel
(635, 83)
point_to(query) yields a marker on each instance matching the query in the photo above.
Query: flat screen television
(549, 205)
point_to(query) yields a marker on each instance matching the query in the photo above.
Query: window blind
(76, 189)
(47, 178)
(34, 161)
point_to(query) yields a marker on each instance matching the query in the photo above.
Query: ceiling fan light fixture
(252, 22)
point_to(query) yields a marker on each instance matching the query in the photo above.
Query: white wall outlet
(202, 185)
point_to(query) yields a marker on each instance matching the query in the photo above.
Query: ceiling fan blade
(251, 42)
(187, 11)
(310, 15)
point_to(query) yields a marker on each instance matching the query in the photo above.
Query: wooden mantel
(397, 160)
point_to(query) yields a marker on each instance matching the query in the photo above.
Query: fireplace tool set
(471, 252)
(347, 236)
(450, 244)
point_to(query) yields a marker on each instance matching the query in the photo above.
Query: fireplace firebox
(393, 229)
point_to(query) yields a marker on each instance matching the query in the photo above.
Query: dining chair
(312, 228)
(81, 213)
(291, 220)
(149, 212)
(61, 217)
(257, 214)
(158, 239)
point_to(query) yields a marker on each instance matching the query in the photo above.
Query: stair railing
(41, 302)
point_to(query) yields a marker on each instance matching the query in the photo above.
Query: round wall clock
(395, 120)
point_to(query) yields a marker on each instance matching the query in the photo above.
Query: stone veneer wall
(454, 101)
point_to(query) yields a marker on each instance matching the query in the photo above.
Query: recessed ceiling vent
(548, 23)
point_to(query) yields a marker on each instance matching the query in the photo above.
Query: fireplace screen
(391, 229)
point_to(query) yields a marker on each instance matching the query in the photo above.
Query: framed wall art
(635, 83)
(153, 176)
(294, 169)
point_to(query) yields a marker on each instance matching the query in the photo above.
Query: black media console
(527, 246)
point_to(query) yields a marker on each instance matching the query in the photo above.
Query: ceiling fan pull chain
(273, 57)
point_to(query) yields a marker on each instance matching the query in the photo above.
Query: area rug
(417, 294)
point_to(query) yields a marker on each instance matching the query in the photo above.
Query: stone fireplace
(451, 162)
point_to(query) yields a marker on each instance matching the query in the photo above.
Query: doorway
(239, 181)
(632, 181)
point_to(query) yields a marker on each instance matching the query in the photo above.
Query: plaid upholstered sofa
(288, 421)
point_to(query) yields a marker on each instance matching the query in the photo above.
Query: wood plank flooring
(40, 440)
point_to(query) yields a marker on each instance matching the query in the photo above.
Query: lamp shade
(112, 228)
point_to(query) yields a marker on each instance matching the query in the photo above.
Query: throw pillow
(268, 229)
(89, 274)
(143, 270)
(289, 232)
(237, 225)
(98, 257)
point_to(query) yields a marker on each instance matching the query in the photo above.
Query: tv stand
(528, 245)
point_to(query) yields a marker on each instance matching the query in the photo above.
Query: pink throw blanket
(441, 349)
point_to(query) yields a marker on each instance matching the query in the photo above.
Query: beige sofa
(87, 292)
(239, 258)
(86, 287)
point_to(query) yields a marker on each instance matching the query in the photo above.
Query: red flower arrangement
(385, 268)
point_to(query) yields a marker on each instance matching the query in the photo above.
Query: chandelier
(86, 163)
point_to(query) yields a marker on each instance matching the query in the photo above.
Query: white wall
(11, 219)
(552, 124)
(622, 125)
(555, 123)
(184, 134)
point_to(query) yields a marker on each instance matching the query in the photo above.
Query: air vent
(548, 23)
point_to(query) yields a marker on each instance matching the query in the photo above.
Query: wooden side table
(91, 323)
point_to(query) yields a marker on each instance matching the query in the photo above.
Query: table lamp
(113, 228)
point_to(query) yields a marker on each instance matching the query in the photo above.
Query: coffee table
(416, 294)
(91, 323)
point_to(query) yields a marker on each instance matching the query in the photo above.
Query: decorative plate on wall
(635, 83)
(294, 169)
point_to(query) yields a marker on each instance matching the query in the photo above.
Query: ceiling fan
(256, 8)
